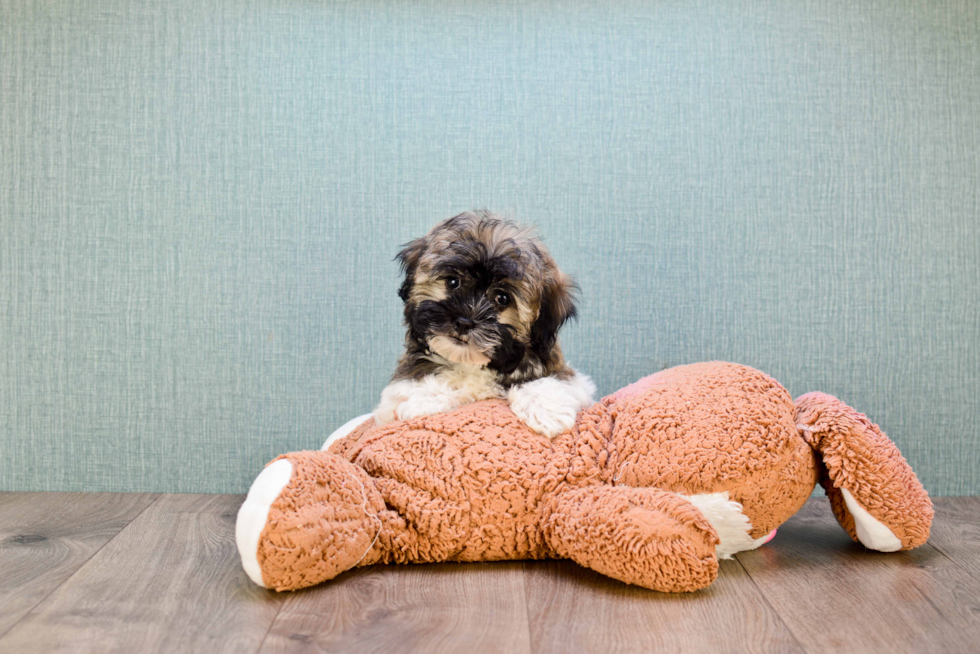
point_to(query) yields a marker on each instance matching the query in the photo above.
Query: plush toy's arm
(642, 536)
(309, 516)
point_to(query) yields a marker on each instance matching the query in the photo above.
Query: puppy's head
(483, 291)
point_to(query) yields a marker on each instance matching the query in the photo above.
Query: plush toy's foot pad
(873, 491)
(641, 536)
(308, 517)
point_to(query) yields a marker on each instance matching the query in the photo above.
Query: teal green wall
(200, 201)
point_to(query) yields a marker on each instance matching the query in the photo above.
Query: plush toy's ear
(557, 306)
(409, 258)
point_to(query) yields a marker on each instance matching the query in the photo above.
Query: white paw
(421, 404)
(872, 533)
(549, 406)
(546, 422)
(393, 395)
(408, 399)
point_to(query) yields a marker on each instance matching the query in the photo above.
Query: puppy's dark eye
(452, 283)
(502, 299)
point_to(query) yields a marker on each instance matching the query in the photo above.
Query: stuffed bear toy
(652, 486)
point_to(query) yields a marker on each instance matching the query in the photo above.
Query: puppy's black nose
(463, 324)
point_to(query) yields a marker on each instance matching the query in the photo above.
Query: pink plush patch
(772, 534)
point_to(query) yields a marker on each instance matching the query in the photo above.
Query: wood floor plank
(448, 607)
(170, 581)
(572, 609)
(120, 572)
(836, 596)
(46, 537)
(956, 531)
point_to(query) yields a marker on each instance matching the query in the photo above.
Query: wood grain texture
(836, 596)
(956, 531)
(171, 581)
(477, 607)
(572, 609)
(45, 537)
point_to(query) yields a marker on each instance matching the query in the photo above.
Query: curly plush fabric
(618, 493)
(644, 536)
(709, 427)
(321, 522)
(859, 458)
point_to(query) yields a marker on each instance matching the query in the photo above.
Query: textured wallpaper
(200, 201)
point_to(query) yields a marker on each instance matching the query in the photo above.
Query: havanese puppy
(484, 301)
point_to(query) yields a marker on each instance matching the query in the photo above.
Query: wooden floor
(149, 573)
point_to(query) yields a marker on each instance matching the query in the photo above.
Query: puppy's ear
(409, 258)
(557, 306)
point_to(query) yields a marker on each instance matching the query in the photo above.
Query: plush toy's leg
(308, 517)
(873, 491)
(345, 429)
(642, 536)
